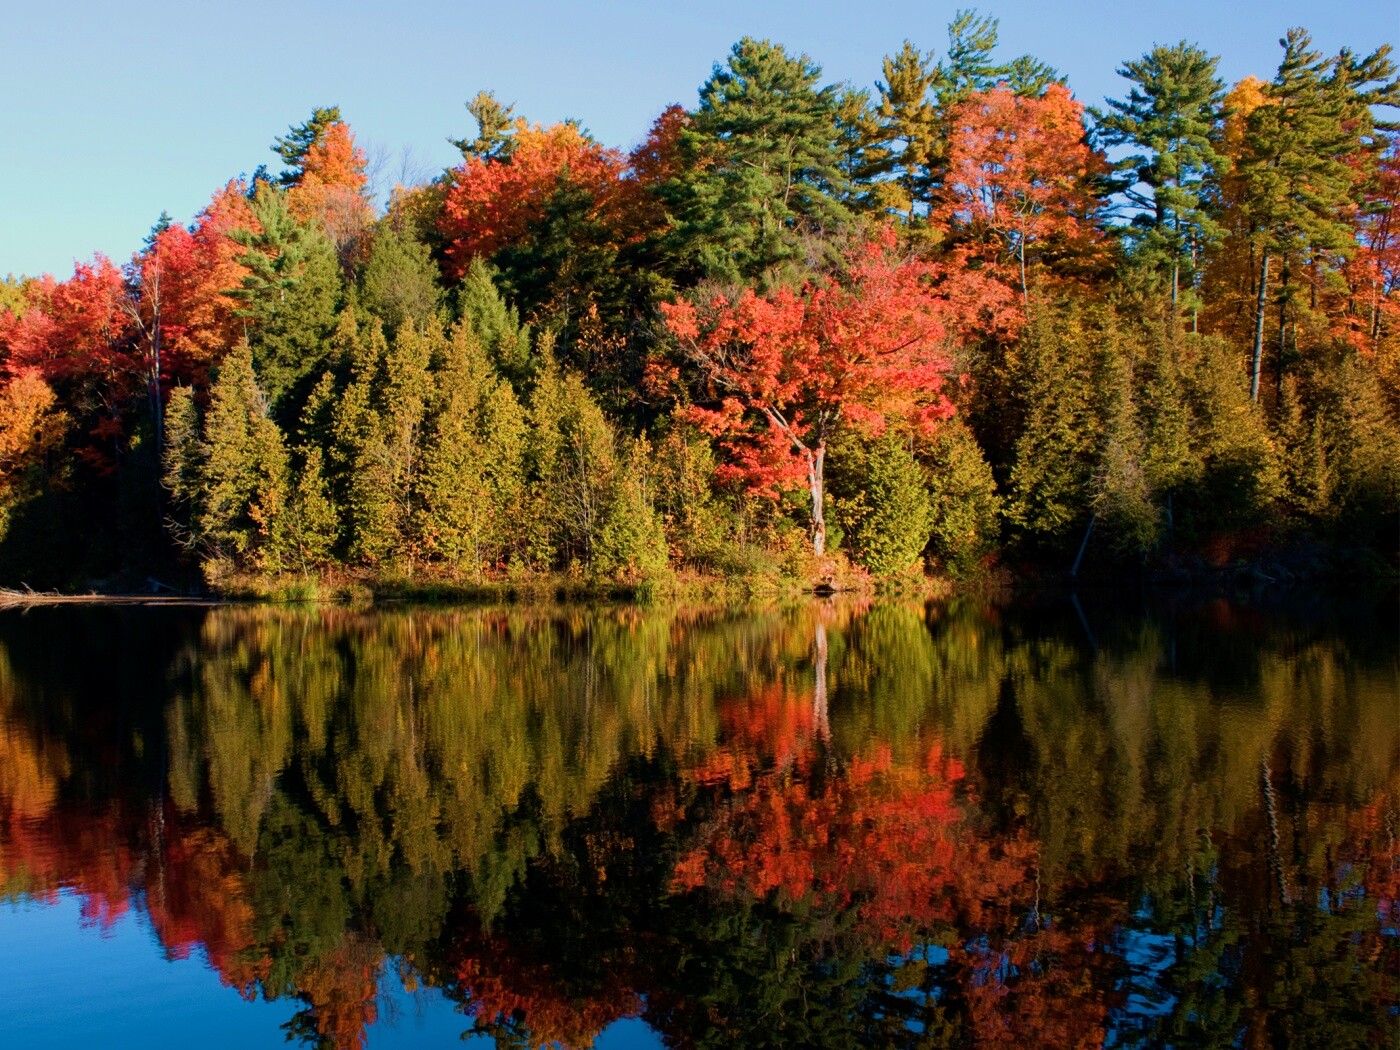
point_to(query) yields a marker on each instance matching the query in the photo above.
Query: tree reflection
(945, 825)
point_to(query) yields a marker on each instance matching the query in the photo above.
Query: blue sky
(115, 112)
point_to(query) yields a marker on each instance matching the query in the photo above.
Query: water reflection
(962, 824)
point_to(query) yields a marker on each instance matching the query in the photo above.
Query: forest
(958, 323)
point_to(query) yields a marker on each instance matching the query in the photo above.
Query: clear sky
(114, 112)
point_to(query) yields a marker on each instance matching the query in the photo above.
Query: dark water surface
(1048, 823)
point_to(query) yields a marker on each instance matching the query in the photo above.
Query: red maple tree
(778, 372)
(493, 202)
(1019, 175)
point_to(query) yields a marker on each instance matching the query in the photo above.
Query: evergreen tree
(1307, 477)
(543, 517)
(909, 129)
(400, 280)
(1123, 499)
(1029, 77)
(494, 123)
(632, 543)
(294, 146)
(360, 457)
(290, 295)
(692, 516)
(1239, 462)
(496, 324)
(472, 473)
(1296, 177)
(182, 466)
(767, 168)
(1362, 445)
(861, 150)
(308, 530)
(574, 478)
(243, 469)
(881, 502)
(1053, 373)
(1172, 120)
(966, 509)
(968, 68)
(585, 489)
(1169, 457)
(388, 462)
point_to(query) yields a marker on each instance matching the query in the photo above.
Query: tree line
(953, 320)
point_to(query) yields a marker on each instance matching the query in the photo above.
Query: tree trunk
(1282, 336)
(820, 714)
(1021, 255)
(1259, 330)
(1083, 545)
(816, 463)
(1375, 316)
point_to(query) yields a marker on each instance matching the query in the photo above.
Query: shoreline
(337, 589)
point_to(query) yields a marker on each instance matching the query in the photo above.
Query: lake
(1051, 821)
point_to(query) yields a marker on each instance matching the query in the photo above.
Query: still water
(1052, 823)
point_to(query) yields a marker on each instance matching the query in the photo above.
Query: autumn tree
(494, 201)
(1375, 277)
(77, 335)
(181, 299)
(327, 182)
(295, 147)
(969, 68)
(553, 216)
(778, 373)
(1020, 177)
(32, 430)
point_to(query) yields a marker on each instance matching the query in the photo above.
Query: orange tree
(774, 374)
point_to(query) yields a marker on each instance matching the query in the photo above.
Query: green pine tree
(766, 137)
(1124, 501)
(1297, 180)
(399, 282)
(966, 509)
(293, 146)
(632, 543)
(472, 473)
(183, 464)
(910, 129)
(497, 324)
(1172, 121)
(309, 528)
(1052, 374)
(494, 123)
(881, 501)
(290, 296)
(244, 471)
(1240, 477)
